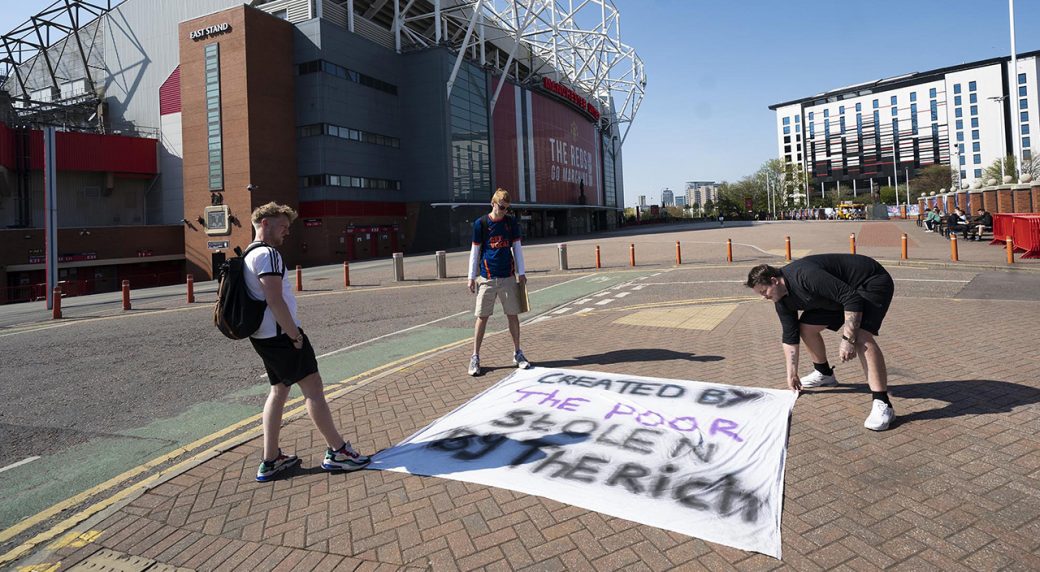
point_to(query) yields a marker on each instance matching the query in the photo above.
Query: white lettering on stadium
(210, 31)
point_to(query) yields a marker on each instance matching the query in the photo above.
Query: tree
(1030, 166)
(932, 179)
(888, 195)
(709, 207)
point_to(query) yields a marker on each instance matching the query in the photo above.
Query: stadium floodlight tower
(574, 43)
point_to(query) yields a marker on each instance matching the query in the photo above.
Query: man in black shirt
(839, 292)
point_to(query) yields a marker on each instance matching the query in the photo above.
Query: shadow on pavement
(629, 355)
(963, 397)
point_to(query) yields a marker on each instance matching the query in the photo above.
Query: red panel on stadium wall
(565, 152)
(504, 121)
(87, 152)
(170, 93)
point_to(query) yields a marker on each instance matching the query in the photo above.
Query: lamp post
(1003, 144)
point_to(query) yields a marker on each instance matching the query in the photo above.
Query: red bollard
(953, 247)
(787, 248)
(905, 254)
(598, 265)
(346, 274)
(678, 254)
(191, 289)
(1010, 245)
(852, 243)
(729, 250)
(631, 254)
(56, 306)
(126, 294)
(299, 278)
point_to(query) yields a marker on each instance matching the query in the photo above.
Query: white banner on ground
(702, 459)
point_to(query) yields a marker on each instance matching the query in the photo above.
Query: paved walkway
(955, 485)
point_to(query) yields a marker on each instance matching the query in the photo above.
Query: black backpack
(236, 314)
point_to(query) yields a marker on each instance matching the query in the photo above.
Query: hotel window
(964, 160)
(841, 109)
(787, 129)
(875, 104)
(975, 147)
(974, 122)
(974, 109)
(1022, 103)
(973, 98)
(959, 112)
(859, 107)
(976, 158)
(956, 88)
(956, 100)
(1024, 116)
(960, 136)
(978, 174)
(913, 96)
(1021, 91)
(797, 119)
(894, 100)
(913, 118)
(1025, 142)
(1021, 78)
(787, 121)
(826, 112)
(935, 110)
(974, 134)
(971, 86)
(841, 123)
(1026, 154)
(895, 111)
(960, 124)
(960, 148)
(1025, 129)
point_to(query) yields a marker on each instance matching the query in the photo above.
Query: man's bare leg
(514, 330)
(318, 410)
(272, 419)
(478, 334)
(873, 361)
(813, 340)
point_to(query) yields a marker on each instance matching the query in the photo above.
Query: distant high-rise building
(667, 198)
(680, 201)
(699, 192)
(642, 200)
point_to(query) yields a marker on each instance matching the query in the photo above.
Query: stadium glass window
(974, 122)
(978, 174)
(956, 88)
(975, 147)
(973, 98)
(971, 86)
(976, 158)
(960, 136)
(787, 121)
(974, 134)
(956, 100)
(1023, 103)
(1021, 78)
(974, 109)
(1021, 91)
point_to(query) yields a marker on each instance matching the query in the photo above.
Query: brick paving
(955, 485)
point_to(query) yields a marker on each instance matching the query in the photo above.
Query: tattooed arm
(791, 361)
(849, 332)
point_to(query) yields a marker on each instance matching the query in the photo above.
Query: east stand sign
(701, 459)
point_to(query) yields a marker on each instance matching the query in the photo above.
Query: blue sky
(714, 67)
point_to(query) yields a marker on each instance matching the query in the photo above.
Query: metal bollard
(191, 289)
(126, 294)
(561, 255)
(299, 278)
(598, 265)
(678, 254)
(398, 267)
(346, 274)
(852, 243)
(729, 250)
(56, 307)
(1010, 245)
(953, 247)
(442, 264)
(787, 248)
(905, 255)
(631, 254)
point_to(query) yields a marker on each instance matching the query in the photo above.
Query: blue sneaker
(345, 459)
(268, 469)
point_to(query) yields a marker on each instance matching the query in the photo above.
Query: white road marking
(584, 301)
(598, 294)
(562, 310)
(602, 302)
(640, 287)
(928, 280)
(622, 294)
(18, 464)
(583, 310)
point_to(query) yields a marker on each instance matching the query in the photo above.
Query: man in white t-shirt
(287, 352)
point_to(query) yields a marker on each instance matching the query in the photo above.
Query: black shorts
(877, 294)
(285, 364)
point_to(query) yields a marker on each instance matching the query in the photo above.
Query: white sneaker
(520, 361)
(881, 416)
(474, 366)
(817, 379)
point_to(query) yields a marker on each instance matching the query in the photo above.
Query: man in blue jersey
(496, 267)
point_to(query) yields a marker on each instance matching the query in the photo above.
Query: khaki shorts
(502, 288)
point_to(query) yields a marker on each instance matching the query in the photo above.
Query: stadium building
(387, 123)
(869, 134)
